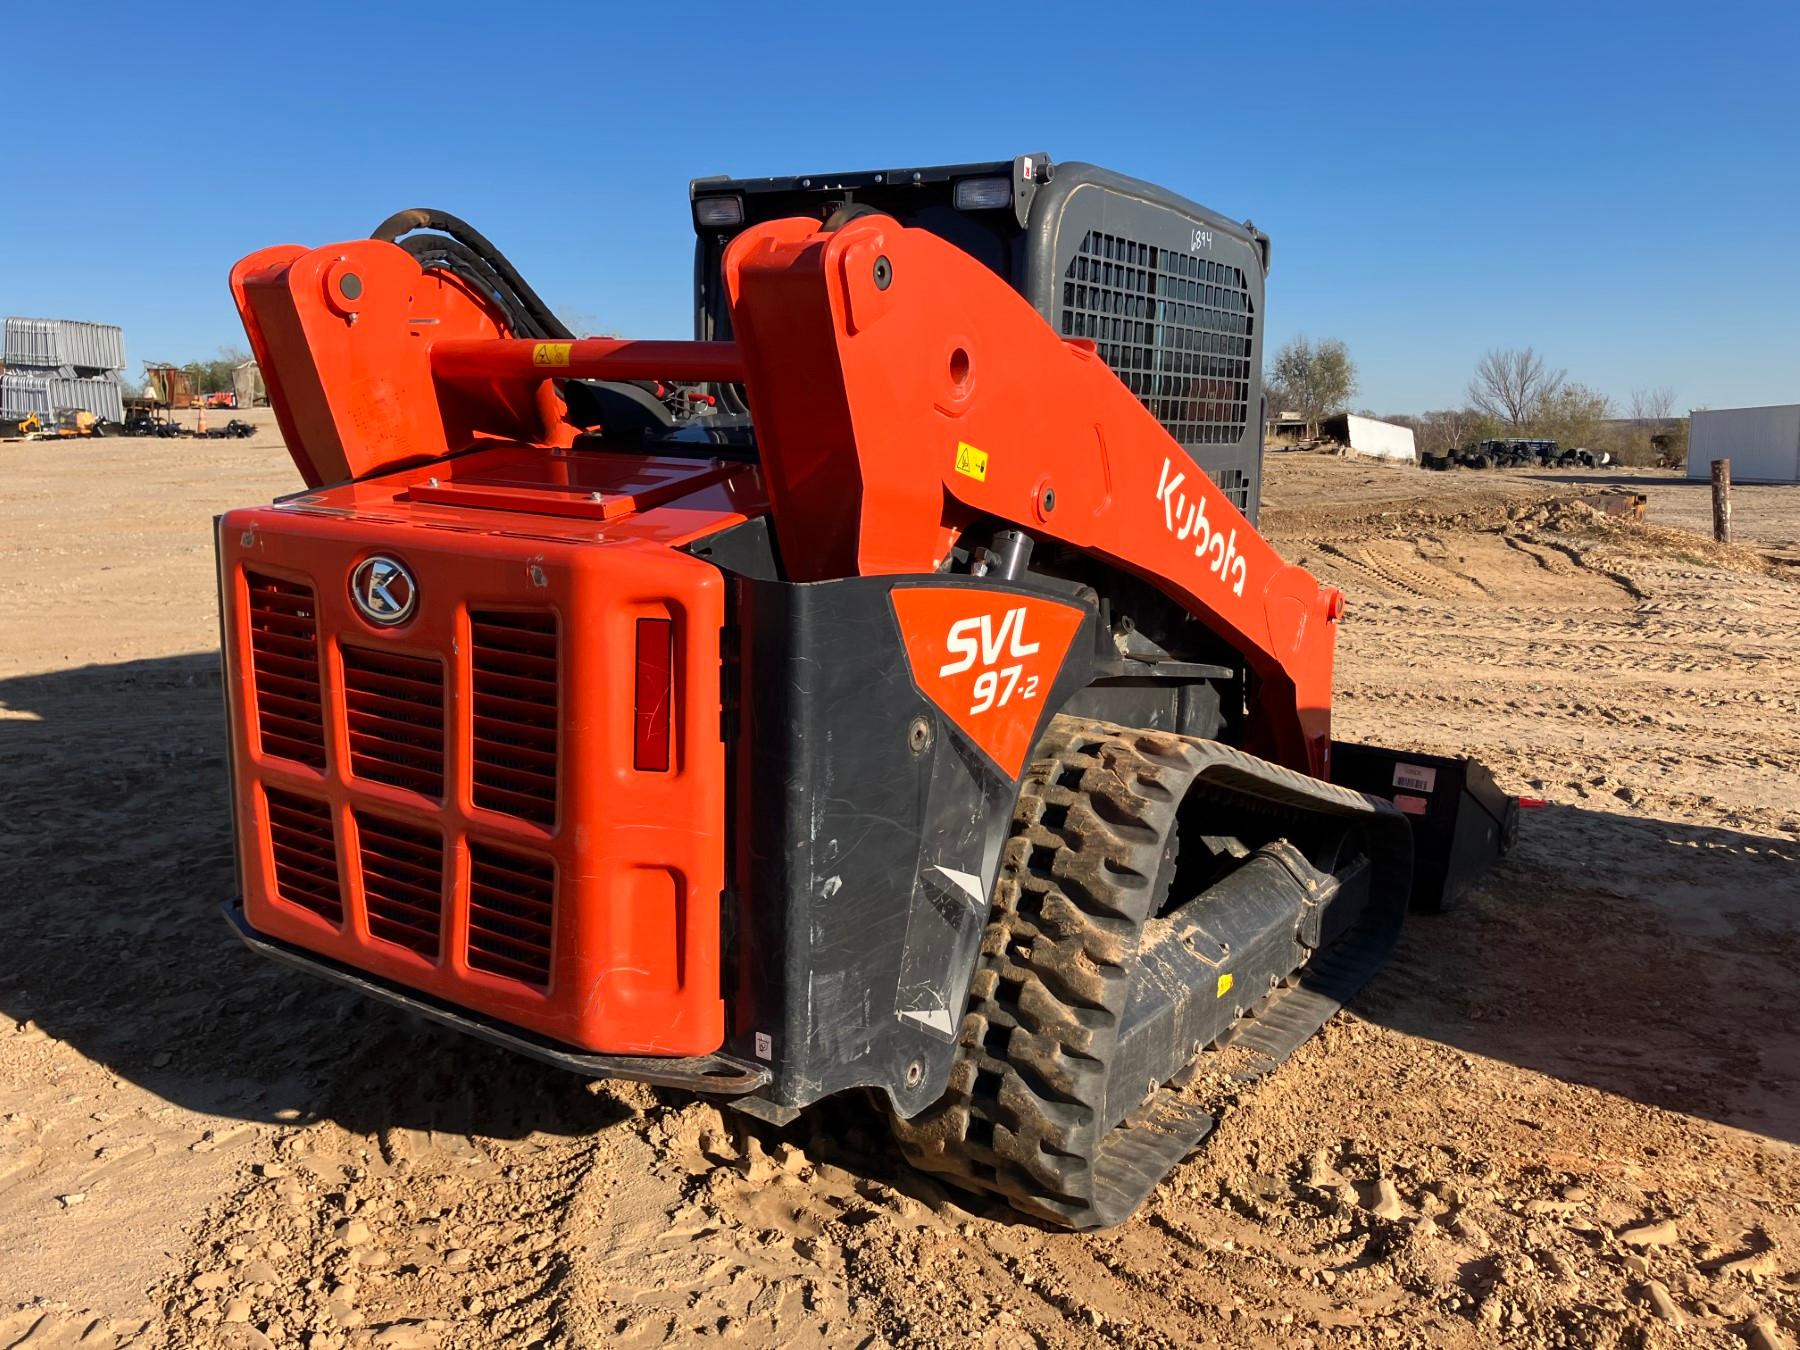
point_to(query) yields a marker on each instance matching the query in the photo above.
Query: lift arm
(902, 393)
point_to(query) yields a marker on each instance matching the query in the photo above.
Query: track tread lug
(1077, 882)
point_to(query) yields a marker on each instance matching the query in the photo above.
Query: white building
(1763, 444)
(1366, 436)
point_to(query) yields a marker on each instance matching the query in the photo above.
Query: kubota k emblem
(383, 591)
(987, 659)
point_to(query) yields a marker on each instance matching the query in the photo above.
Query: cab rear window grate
(403, 882)
(394, 706)
(514, 674)
(284, 660)
(1235, 484)
(511, 913)
(302, 843)
(1175, 327)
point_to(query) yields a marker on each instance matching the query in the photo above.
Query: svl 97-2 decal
(986, 659)
(975, 639)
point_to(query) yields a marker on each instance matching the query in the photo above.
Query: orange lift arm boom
(902, 392)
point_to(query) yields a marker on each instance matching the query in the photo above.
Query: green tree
(1573, 415)
(1314, 380)
(214, 376)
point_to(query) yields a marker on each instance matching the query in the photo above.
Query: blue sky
(1617, 185)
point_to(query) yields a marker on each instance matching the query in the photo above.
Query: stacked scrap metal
(62, 365)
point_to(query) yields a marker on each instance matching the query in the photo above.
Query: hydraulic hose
(473, 242)
(440, 251)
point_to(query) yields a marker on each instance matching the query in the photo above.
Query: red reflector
(1532, 803)
(655, 692)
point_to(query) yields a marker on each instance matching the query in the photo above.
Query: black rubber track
(1090, 850)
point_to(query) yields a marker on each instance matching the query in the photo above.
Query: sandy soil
(1567, 1113)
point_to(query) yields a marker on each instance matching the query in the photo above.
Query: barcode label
(1414, 777)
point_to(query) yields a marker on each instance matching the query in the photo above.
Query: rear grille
(1176, 328)
(514, 674)
(395, 707)
(510, 913)
(300, 836)
(403, 882)
(284, 656)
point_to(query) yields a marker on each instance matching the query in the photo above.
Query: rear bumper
(720, 1075)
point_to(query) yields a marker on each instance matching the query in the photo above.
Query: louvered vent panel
(403, 882)
(511, 908)
(300, 837)
(514, 673)
(395, 705)
(284, 656)
(1178, 329)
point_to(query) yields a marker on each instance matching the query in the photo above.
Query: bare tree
(1447, 429)
(1513, 386)
(1653, 405)
(1314, 381)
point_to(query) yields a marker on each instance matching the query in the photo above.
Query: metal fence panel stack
(54, 366)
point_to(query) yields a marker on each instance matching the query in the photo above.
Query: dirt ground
(1567, 1114)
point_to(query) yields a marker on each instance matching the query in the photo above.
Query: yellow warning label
(1224, 986)
(551, 354)
(970, 462)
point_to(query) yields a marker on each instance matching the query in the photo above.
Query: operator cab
(1170, 293)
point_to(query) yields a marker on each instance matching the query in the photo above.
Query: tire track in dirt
(417, 1209)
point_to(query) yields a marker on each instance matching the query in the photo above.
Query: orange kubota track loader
(888, 691)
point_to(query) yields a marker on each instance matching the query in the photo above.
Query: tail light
(655, 692)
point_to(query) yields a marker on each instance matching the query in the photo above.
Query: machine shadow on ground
(1656, 961)
(1665, 967)
(116, 846)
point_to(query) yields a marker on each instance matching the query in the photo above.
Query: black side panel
(1462, 823)
(866, 836)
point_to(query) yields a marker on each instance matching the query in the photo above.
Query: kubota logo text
(1186, 519)
(977, 640)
